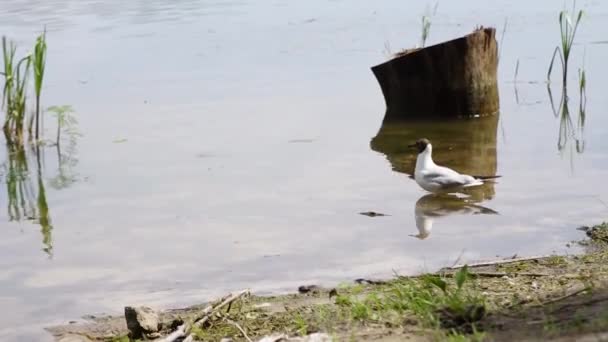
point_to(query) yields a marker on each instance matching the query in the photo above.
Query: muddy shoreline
(542, 298)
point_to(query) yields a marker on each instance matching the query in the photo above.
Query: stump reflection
(465, 145)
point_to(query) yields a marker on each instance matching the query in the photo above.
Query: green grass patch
(435, 302)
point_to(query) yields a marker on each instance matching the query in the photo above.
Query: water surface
(231, 144)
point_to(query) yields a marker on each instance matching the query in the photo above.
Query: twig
(587, 303)
(203, 317)
(574, 293)
(551, 301)
(239, 327)
(498, 262)
(600, 200)
(458, 259)
(179, 332)
(501, 274)
(226, 301)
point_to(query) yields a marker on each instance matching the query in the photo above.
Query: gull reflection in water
(433, 206)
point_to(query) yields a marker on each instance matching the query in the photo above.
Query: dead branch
(184, 329)
(568, 295)
(240, 329)
(496, 262)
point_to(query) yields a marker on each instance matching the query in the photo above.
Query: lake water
(230, 144)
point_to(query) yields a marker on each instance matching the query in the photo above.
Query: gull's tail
(486, 177)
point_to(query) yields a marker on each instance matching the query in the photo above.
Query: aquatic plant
(568, 24)
(582, 81)
(502, 37)
(426, 25)
(388, 52)
(39, 62)
(15, 91)
(66, 155)
(66, 121)
(14, 95)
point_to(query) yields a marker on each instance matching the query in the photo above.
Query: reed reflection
(26, 191)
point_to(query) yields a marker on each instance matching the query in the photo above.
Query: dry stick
(554, 300)
(207, 310)
(227, 301)
(498, 262)
(458, 259)
(239, 327)
(179, 332)
(184, 329)
(501, 274)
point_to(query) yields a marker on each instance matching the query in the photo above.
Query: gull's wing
(443, 181)
(444, 177)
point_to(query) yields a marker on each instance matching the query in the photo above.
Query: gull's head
(422, 144)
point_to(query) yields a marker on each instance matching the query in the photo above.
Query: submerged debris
(372, 214)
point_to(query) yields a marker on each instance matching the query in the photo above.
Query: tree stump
(456, 78)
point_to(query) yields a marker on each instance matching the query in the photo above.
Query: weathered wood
(184, 329)
(453, 79)
(496, 262)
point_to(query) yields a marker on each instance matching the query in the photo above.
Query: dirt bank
(547, 298)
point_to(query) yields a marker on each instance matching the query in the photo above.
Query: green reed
(66, 121)
(426, 28)
(16, 87)
(582, 85)
(39, 61)
(568, 24)
(426, 24)
(15, 91)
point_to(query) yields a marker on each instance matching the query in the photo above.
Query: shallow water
(231, 144)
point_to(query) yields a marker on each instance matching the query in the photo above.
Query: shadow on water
(465, 145)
